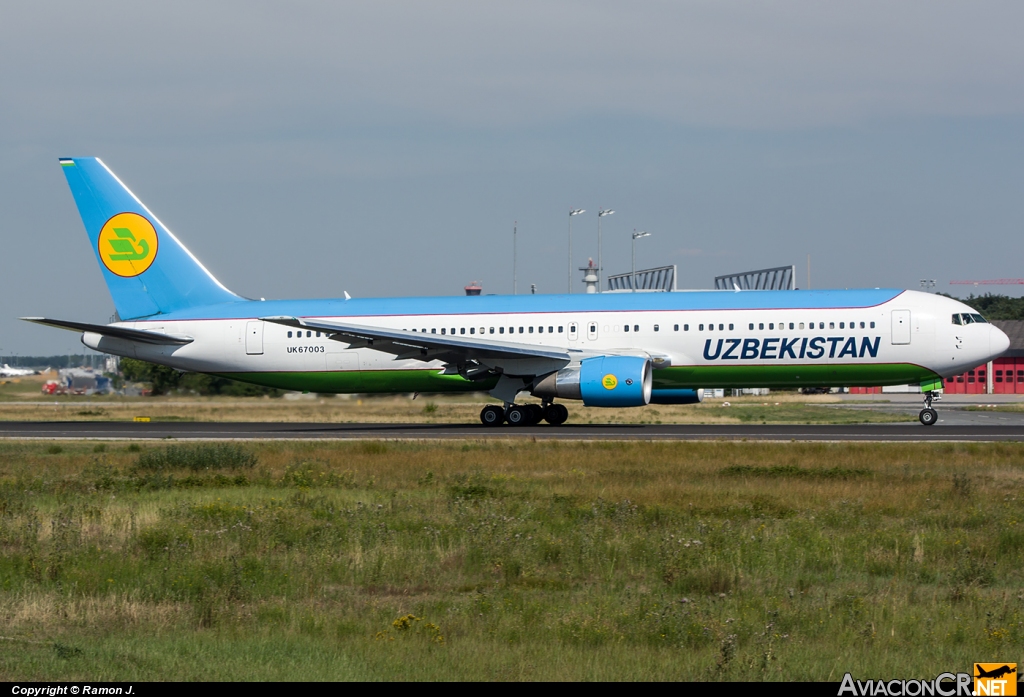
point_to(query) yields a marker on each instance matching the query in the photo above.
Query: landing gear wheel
(518, 416)
(536, 413)
(556, 414)
(492, 415)
(928, 416)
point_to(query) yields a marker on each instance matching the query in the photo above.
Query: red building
(1004, 375)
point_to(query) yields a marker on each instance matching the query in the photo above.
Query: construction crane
(992, 282)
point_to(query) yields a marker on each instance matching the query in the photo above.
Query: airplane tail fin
(147, 270)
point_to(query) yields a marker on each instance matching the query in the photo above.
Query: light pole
(515, 224)
(572, 212)
(600, 269)
(927, 284)
(636, 236)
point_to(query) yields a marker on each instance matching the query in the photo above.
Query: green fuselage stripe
(683, 377)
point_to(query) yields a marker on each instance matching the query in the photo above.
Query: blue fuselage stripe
(514, 304)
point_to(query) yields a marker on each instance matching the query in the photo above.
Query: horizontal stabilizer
(114, 332)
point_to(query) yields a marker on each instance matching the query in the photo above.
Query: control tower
(590, 277)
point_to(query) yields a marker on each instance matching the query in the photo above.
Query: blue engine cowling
(615, 381)
(677, 396)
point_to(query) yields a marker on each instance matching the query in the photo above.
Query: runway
(118, 430)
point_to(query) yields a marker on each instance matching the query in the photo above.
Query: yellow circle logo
(127, 244)
(610, 382)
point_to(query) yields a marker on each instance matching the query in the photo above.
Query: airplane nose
(998, 342)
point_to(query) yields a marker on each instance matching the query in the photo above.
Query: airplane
(604, 349)
(8, 372)
(994, 673)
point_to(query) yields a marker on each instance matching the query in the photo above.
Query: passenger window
(551, 330)
(501, 330)
(771, 325)
(831, 325)
(434, 331)
(442, 330)
(790, 325)
(686, 327)
(625, 328)
(462, 330)
(318, 335)
(872, 325)
(655, 327)
(842, 325)
(559, 329)
(491, 331)
(821, 325)
(289, 335)
(801, 325)
(730, 327)
(453, 330)
(520, 330)
(711, 327)
(676, 328)
(759, 326)
(861, 325)
(309, 333)
(701, 328)
(751, 326)
(540, 330)
(531, 330)
(636, 327)
(721, 327)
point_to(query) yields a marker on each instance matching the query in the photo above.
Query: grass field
(21, 401)
(499, 560)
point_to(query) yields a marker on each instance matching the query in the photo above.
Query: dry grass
(27, 405)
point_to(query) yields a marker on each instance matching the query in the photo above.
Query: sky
(307, 149)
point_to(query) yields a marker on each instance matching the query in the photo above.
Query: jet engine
(602, 381)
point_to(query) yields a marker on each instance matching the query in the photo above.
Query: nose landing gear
(929, 416)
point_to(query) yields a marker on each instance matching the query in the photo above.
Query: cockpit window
(969, 318)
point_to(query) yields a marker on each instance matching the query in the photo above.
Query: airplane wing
(114, 332)
(454, 349)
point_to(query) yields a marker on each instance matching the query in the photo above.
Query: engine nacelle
(677, 396)
(602, 381)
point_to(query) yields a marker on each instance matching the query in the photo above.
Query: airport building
(1004, 375)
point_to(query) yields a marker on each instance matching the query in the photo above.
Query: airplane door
(254, 338)
(901, 326)
(573, 331)
(592, 331)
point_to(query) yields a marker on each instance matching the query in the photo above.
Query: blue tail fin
(147, 270)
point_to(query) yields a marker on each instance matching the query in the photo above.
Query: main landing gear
(523, 414)
(929, 416)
